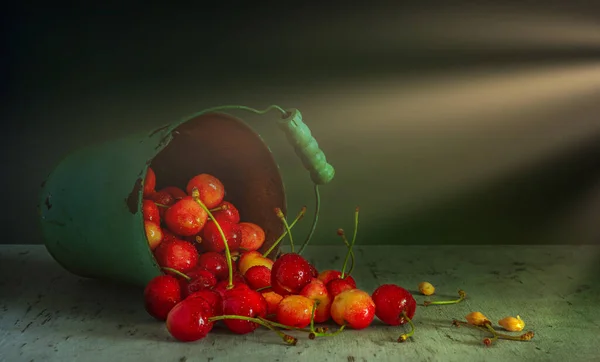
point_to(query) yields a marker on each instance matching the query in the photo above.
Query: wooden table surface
(47, 314)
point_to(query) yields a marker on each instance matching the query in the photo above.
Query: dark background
(462, 124)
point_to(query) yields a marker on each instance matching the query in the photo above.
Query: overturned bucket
(90, 204)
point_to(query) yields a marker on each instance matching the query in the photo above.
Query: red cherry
(212, 297)
(149, 182)
(200, 279)
(295, 311)
(336, 286)
(188, 320)
(210, 188)
(316, 290)
(390, 301)
(178, 254)
(353, 307)
(175, 192)
(213, 241)
(228, 213)
(328, 275)
(243, 302)
(249, 259)
(215, 263)
(273, 299)
(154, 234)
(161, 294)
(150, 211)
(290, 273)
(238, 283)
(258, 276)
(185, 217)
(162, 198)
(253, 236)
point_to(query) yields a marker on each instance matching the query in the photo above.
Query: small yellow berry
(426, 288)
(477, 319)
(512, 324)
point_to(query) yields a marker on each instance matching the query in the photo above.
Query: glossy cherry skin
(177, 254)
(210, 188)
(328, 275)
(316, 290)
(185, 217)
(212, 297)
(251, 258)
(150, 211)
(238, 283)
(259, 276)
(161, 294)
(336, 286)
(391, 300)
(253, 236)
(213, 241)
(243, 302)
(161, 198)
(189, 321)
(230, 213)
(154, 234)
(200, 279)
(273, 299)
(215, 263)
(290, 273)
(295, 311)
(353, 307)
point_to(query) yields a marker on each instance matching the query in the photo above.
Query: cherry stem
(461, 293)
(286, 338)
(352, 260)
(488, 328)
(320, 332)
(196, 197)
(406, 336)
(283, 326)
(315, 219)
(162, 205)
(352, 243)
(174, 271)
(281, 217)
(313, 335)
(298, 218)
(220, 208)
(263, 288)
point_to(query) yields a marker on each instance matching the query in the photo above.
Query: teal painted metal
(86, 219)
(90, 207)
(306, 147)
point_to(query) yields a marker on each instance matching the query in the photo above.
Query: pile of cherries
(213, 272)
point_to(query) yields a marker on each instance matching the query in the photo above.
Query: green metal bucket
(91, 203)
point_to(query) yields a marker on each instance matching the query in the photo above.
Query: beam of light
(428, 138)
(447, 28)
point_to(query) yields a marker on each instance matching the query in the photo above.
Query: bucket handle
(305, 146)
